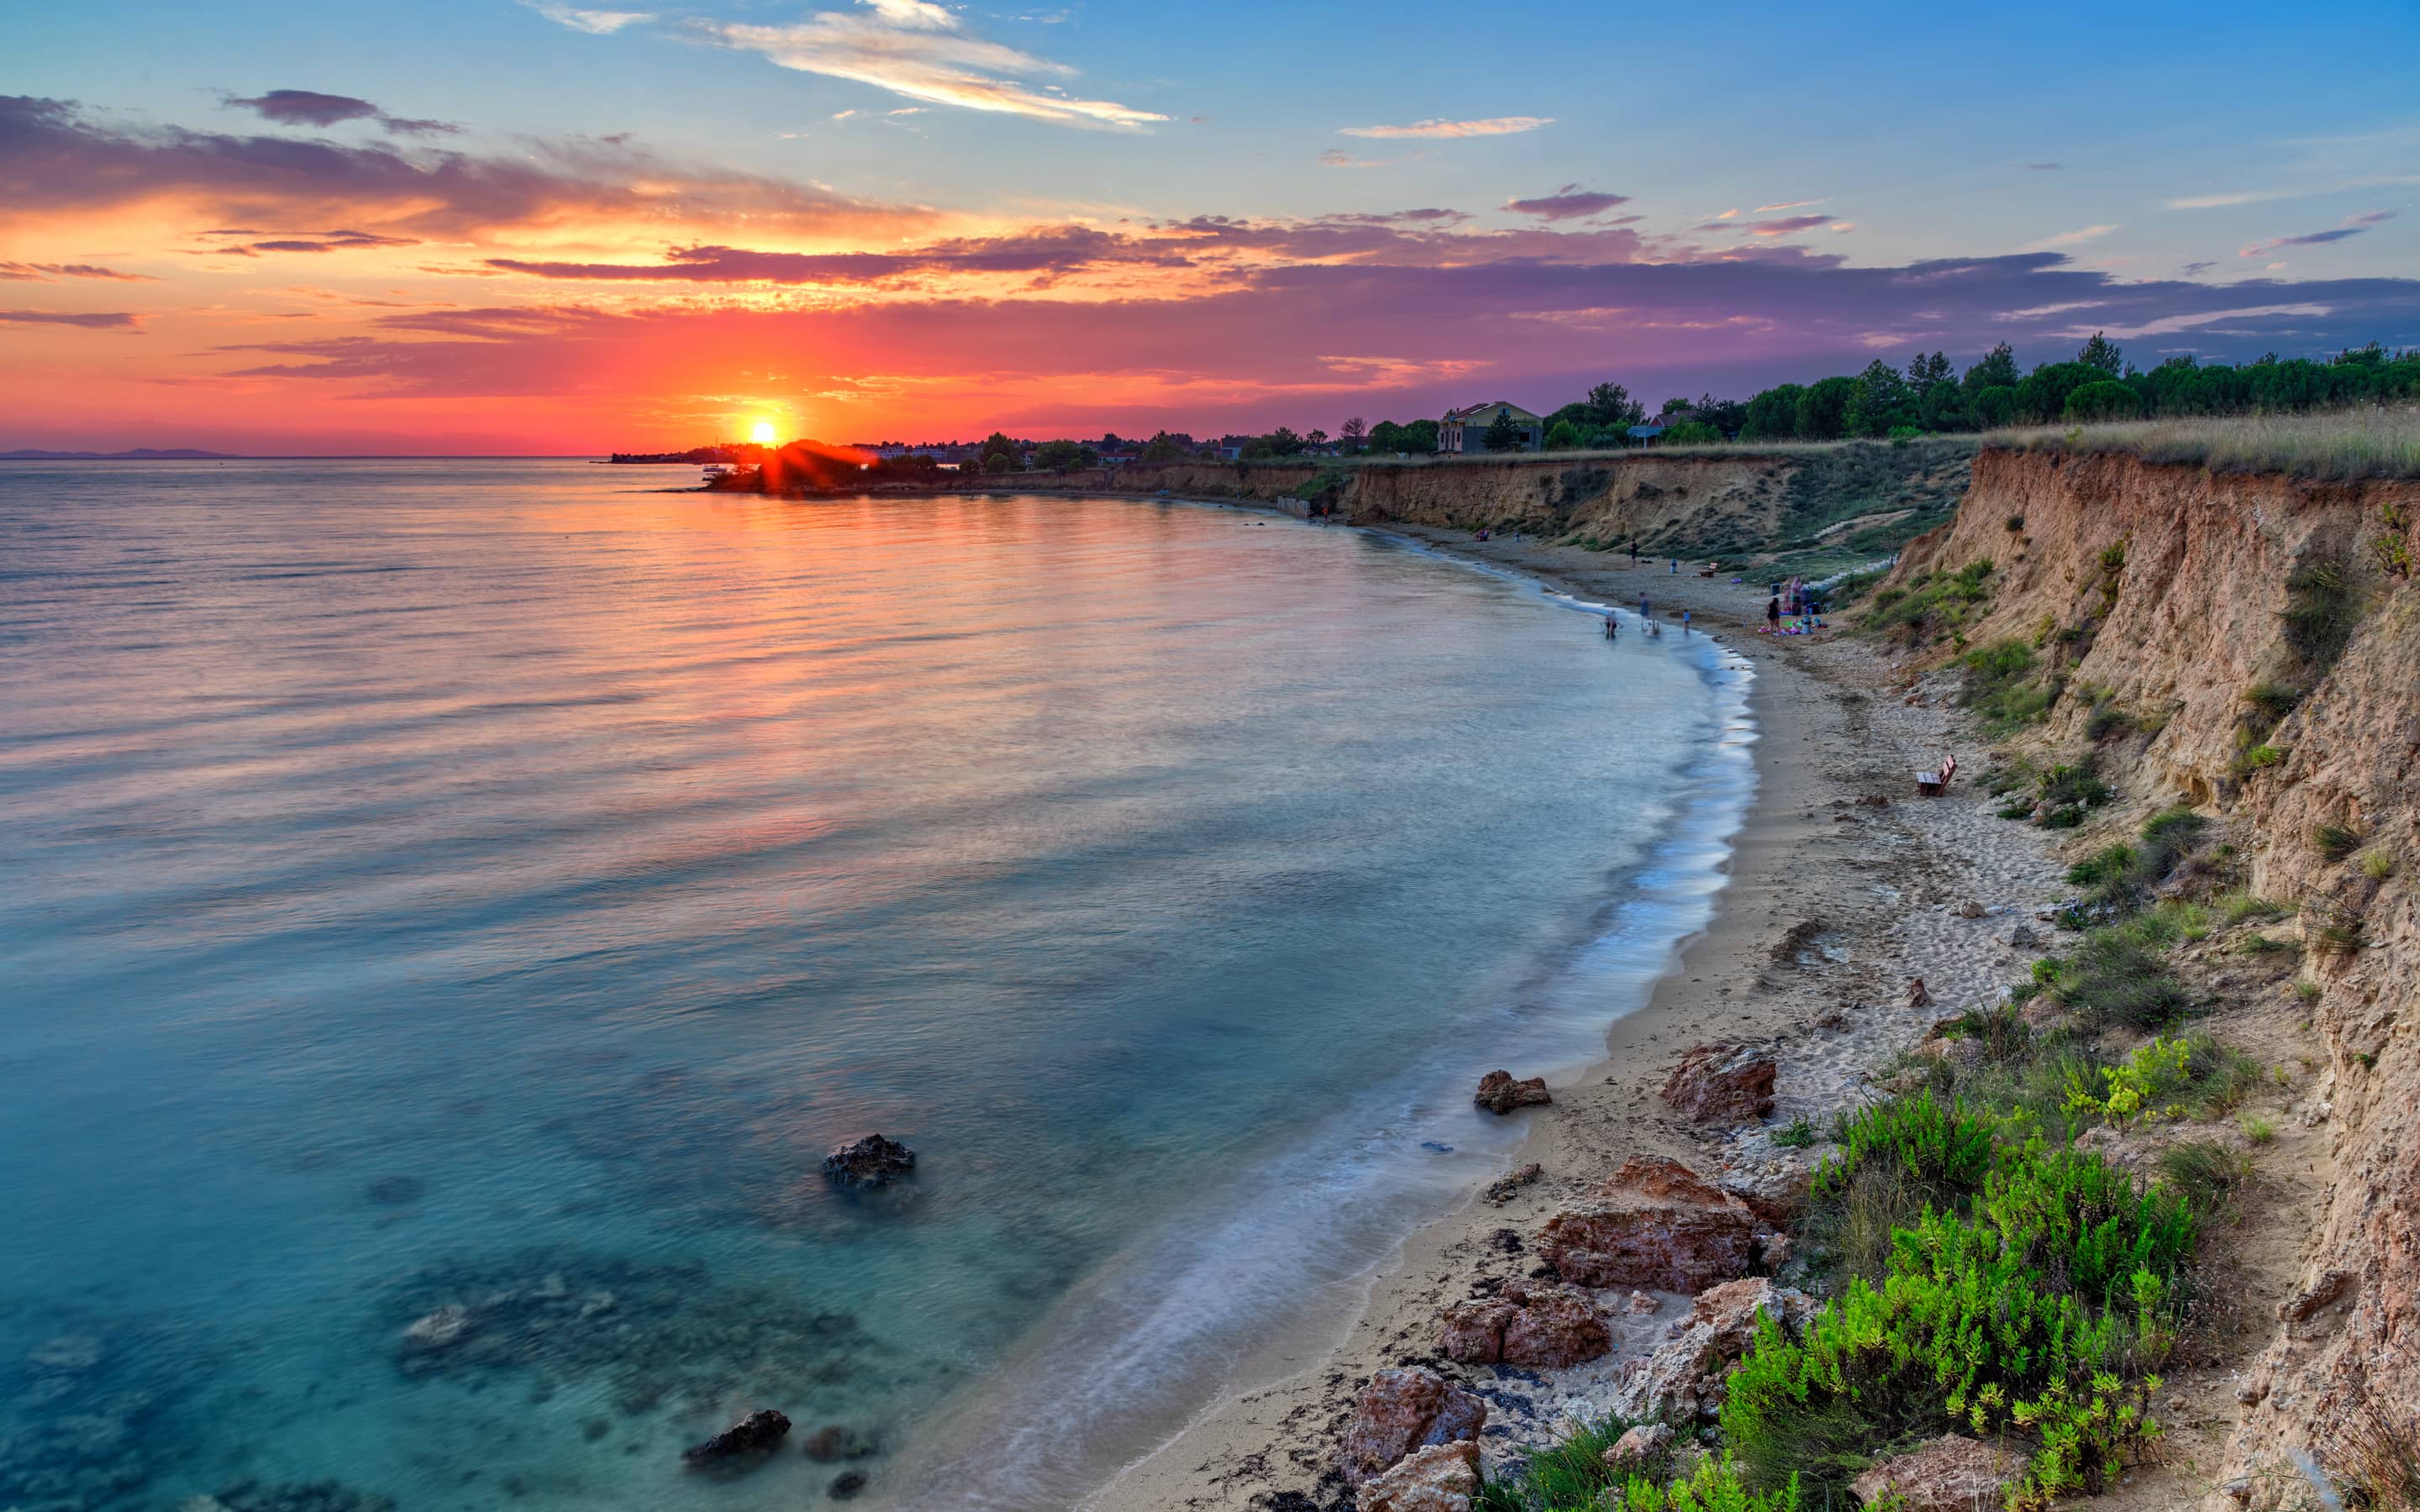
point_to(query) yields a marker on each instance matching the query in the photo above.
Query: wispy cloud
(2070, 238)
(2352, 225)
(921, 50)
(1494, 126)
(1569, 203)
(2306, 190)
(1786, 205)
(113, 320)
(2044, 167)
(309, 107)
(1337, 158)
(46, 272)
(594, 23)
(1789, 226)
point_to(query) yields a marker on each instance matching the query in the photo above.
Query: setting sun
(763, 434)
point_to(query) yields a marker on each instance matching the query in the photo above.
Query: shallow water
(494, 884)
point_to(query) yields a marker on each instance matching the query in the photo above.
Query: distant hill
(140, 454)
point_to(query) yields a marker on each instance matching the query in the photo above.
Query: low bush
(2322, 607)
(1572, 1474)
(1999, 686)
(1934, 601)
(2117, 980)
(2257, 1129)
(2378, 865)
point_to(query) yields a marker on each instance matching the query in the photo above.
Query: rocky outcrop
(872, 1161)
(1775, 1180)
(1723, 1083)
(1526, 1323)
(1683, 1378)
(1508, 1186)
(1401, 1411)
(753, 1437)
(1500, 1093)
(1442, 1477)
(1655, 1222)
(1949, 1474)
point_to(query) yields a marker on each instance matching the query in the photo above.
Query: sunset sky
(489, 227)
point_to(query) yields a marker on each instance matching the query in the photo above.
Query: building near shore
(1465, 430)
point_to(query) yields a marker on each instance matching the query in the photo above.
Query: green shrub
(2029, 1317)
(1572, 1474)
(2378, 865)
(2257, 1129)
(1944, 1149)
(1714, 1486)
(2103, 868)
(2117, 980)
(2271, 702)
(1997, 687)
(2078, 784)
(2256, 759)
(2108, 722)
(1932, 601)
(1798, 1134)
(2020, 809)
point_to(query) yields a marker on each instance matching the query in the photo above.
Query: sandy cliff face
(2178, 581)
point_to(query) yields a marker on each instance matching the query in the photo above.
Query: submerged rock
(1949, 1474)
(1500, 1093)
(1442, 1477)
(844, 1486)
(755, 1435)
(1526, 1323)
(439, 1329)
(835, 1442)
(1401, 1411)
(1654, 1224)
(1723, 1083)
(872, 1161)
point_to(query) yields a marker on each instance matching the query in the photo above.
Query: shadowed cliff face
(2175, 589)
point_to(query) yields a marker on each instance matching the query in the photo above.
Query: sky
(498, 226)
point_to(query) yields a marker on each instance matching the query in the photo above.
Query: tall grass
(2343, 445)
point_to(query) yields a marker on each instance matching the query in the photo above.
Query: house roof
(1478, 411)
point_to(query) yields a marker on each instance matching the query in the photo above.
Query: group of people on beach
(1795, 601)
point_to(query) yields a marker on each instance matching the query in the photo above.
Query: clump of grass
(2376, 1455)
(2336, 841)
(2257, 758)
(2206, 1173)
(2108, 723)
(2256, 943)
(2255, 1129)
(1797, 1135)
(2378, 865)
(1572, 1474)
(2309, 992)
(2117, 978)
(2322, 609)
(2270, 702)
(2334, 928)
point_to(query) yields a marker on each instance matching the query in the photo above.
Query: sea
(449, 908)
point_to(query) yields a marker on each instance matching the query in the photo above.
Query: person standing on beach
(1684, 622)
(1773, 613)
(1644, 612)
(1676, 566)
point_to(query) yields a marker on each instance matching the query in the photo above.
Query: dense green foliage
(1932, 601)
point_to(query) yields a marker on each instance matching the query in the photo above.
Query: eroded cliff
(2250, 644)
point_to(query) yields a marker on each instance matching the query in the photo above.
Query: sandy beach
(1843, 885)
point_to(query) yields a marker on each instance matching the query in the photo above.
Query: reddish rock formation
(1725, 1084)
(1500, 1093)
(1401, 1411)
(1949, 1474)
(1526, 1323)
(1654, 1224)
(1441, 1478)
(1683, 1378)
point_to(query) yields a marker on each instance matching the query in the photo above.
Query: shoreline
(1827, 732)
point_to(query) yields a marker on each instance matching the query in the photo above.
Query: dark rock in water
(395, 1191)
(595, 1428)
(756, 1434)
(872, 1161)
(844, 1486)
(1500, 1093)
(835, 1443)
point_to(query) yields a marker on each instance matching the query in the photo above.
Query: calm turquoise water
(495, 884)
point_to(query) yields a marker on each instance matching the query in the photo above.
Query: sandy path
(1882, 888)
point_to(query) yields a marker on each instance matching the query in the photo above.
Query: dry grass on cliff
(2340, 445)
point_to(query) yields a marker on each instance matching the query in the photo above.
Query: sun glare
(762, 433)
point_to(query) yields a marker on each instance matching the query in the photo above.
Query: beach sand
(1832, 905)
